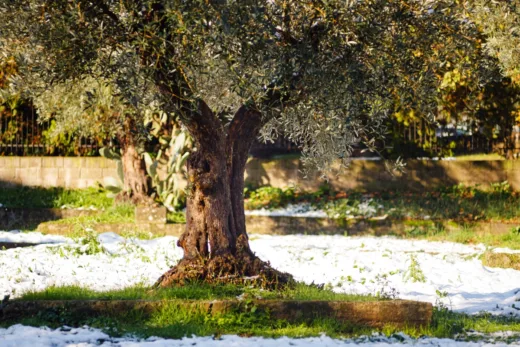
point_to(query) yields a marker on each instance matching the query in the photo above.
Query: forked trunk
(136, 183)
(215, 243)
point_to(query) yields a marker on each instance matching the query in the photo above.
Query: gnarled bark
(136, 183)
(215, 243)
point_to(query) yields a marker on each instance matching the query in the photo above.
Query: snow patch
(24, 336)
(291, 210)
(362, 265)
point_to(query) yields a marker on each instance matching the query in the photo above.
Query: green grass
(37, 197)
(465, 234)
(177, 217)
(446, 323)
(462, 203)
(173, 320)
(193, 292)
(120, 213)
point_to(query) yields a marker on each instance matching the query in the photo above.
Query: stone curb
(294, 225)
(20, 217)
(398, 313)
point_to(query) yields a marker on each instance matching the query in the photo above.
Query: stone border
(398, 313)
(21, 217)
(297, 225)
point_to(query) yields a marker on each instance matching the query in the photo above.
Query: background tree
(324, 73)
(91, 107)
(500, 21)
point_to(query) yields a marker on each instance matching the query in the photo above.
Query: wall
(368, 175)
(362, 175)
(68, 172)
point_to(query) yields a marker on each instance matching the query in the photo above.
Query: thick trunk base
(215, 243)
(242, 269)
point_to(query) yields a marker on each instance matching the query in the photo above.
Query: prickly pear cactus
(168, 182)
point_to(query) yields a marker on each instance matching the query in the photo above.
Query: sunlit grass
(300, 291)
(172, 319)
(38, 197)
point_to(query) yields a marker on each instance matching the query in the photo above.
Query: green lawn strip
(120, 213)
(193, 292)
(174, 320)
(38, 197)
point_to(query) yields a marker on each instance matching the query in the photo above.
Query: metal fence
(424, 139)
(21, 134)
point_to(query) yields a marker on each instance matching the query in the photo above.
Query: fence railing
(22, 134)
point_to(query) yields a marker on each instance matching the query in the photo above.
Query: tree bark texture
(136, 182)
(215, 243)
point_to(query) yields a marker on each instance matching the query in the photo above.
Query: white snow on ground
(22, 336)
(17, 236)
(291, 210)
(347, 264)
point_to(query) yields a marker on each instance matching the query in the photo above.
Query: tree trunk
(215, 243)
(136, 183)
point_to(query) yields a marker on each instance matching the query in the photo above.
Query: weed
(86, 244)
(414, 272)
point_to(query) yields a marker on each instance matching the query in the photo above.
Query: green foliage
(168, 185)
(37, 197)
(269, 197)
(414, 272)
(351, 208)
(515, 231)
(176, 217)
(501, 24)
(459, 202)
(502, 188)
(175, 320)
(317, 79)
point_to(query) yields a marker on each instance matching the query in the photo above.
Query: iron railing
(22, 134)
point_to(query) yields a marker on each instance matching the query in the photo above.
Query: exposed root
(244, 269)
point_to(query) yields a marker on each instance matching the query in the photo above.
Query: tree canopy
(322, 72)
(325, 73)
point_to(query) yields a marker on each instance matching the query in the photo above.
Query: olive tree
(92, 107)
(500, 21)
(322, 72)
